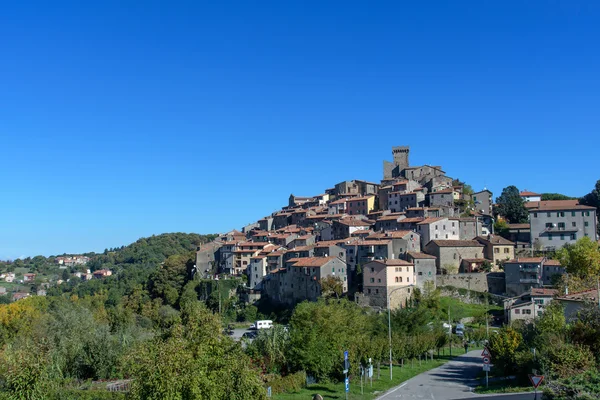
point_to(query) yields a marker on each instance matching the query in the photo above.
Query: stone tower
(393, 169)
(400, 154)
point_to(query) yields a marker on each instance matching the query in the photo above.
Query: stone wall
(493, 282)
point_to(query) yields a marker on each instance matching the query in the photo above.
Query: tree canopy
(511, 206)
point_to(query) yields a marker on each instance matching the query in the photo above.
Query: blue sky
(124, 119)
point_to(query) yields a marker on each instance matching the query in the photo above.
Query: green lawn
(459, 310)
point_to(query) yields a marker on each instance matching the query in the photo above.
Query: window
(396, 279)
(506, 250)
(372, 269)
(446, 236)
(534, 215)
(561, 225)
(572, 213)
(379, 280)
(420, 273)
(453, 224)
(344, 279)
(400, 279)
(573, 224)
(444, 227)
(587, 213)
(429, 273)
(573, 236)
(376, 291)
(539, 301)
(408, 279)
(549, 225)
(496, 250)
(517, 311)
(548, 215)
(562, 236)
(369, 291)
(586, 223)
(526, 311)
(342, 270)
(333, 270)
(549, 236)
(455, 256)
(539, 313)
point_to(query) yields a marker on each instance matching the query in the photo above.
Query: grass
(504, 386)
(459, 310)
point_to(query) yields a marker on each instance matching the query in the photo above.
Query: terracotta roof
(380, 242)
(552, 263)
(310, 261)
(363, 198)
(526, 193)
(362, 232)
(589, 295)
(390, 234)
(413, 220)
(430, 220)
(354, 222)
(552, 205)
(525, 260)
(543, 292)
(393, 262)
(327, 243)
(414, 254)
(457, 243)
(389, 217)
(519, 226)
(302, 248)
(253, 244)
(340, 201)
(495, 239)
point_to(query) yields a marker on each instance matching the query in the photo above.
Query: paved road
(452, 381)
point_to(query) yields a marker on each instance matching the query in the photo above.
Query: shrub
(286, 384)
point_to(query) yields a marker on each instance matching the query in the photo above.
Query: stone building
(497, 249)
(483, 202)
(437, 228)
(524, 273)
(425, 268)
(450, 253)
(400, 163)
(388, 282)
(555, 223)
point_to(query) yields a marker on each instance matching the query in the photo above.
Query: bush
(88, 395)
(286, 384)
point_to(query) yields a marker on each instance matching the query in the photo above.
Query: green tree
(271, 346)
(556, 196)
(592, 199)
(511, 206)
(582, 258)
(332, 286)
(503, 346)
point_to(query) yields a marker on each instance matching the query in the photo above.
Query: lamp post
(389, 295)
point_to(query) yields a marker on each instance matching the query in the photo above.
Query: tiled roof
(552, 263)
(364, 198)
(390, 234)
(589, 295)
(519, 226)
(414, 254)
(354, 222)
(412, 220)
(393, 262)
(525, 260)
(457, 243)
(389, 217)
(495, 239)
(445, 191)
(430, 220)
(310, 261)
(554, 205)
(543, 292)
(527, 194)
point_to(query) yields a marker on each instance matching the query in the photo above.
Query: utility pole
(450, 332)
(389, 331)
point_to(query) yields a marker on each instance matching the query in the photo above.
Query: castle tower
(392, 169)
(400, 154)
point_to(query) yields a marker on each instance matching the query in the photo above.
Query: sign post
(346, 368)
(487, 358)
(535, 381)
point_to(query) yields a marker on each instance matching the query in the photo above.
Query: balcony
(530, 280)
(534, 270)
(556, 229)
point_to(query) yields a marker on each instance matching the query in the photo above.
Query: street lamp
(389, 295)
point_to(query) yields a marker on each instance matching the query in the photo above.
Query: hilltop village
(377, 242)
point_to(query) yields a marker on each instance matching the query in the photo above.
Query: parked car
(249, 335)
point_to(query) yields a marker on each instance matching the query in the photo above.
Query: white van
(263, 324)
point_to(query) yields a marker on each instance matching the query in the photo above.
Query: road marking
(392, 391)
